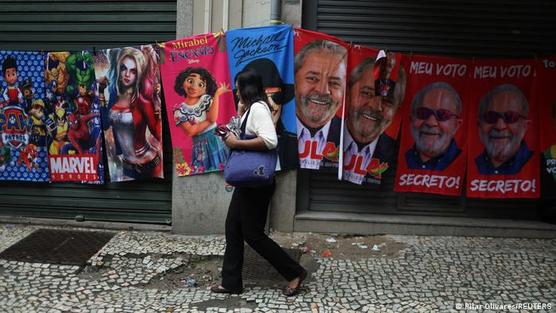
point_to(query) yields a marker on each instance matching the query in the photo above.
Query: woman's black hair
(205, 76)
(250, 86)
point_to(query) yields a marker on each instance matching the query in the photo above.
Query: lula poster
(269, 51)
(320, 87)
(24, 117)
(503, 158)
(432, 153)
(75, 152)
(198, 98)
(129, 95)
(376, 86)
(547, 102)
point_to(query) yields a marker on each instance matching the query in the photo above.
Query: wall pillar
(200, 203)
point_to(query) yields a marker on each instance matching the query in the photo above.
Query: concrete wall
(283, 205)
(215, 15)
(256, 13)
(184, 16)
(291, 12)
(200, 203)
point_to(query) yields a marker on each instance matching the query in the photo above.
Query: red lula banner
(503, 160)
(360, 131)
(547, 102)
(432, 153)
(320, 85)
(375, 90)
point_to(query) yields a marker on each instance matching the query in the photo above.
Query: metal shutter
(87, 25)
(453, 28)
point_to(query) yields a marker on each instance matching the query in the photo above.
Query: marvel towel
(503, 161)
(320, 86)
(198, 97)
(129, 95)
(547, 101)
(24, 117)
(269, 51)
(432, 153)
(376, 87)
(75, 153)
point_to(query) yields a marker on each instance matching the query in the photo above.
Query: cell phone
(221, 130)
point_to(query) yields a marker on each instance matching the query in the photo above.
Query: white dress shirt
(304, 135)
(351, 149)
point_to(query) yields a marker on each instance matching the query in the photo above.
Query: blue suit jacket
(439, 163)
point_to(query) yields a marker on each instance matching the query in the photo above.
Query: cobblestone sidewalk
(160, 272)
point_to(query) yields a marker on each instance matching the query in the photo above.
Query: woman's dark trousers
(246, 221)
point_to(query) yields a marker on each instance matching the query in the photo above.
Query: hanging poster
(547, 101)
(503, 161)
(75, 151)
(320, 86)
(391, 81)
(129, 95)
(432, 153)
(269, 51)
(376, 86)
(24, 117)
(198, 98)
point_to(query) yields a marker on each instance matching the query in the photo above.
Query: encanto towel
(320, 87)
(433, 145)
(198, 97)
(503, 161)
(129, 96)
(24, 117)
(269, 51)
(75, 151)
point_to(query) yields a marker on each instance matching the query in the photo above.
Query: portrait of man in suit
(368, 114)
(320, 81)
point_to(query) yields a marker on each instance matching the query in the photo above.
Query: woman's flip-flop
(289, 291)
(220, 289)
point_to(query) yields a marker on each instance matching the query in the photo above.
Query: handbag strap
(244, 124)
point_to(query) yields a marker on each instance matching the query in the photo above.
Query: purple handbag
(250, 168)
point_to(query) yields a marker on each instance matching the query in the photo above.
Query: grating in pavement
(57, 246)
(257, 270)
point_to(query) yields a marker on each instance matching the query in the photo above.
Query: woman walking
(248, 208)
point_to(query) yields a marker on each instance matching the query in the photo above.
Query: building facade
(304, 200)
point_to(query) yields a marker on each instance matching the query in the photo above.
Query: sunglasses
(509, 117)
(441, 115)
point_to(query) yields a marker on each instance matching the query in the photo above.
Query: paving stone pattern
(429, 274)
